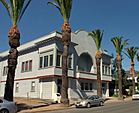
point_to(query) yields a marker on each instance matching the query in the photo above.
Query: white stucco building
(38, 73)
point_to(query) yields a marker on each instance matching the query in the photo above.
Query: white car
(135, 96)
(7, 106)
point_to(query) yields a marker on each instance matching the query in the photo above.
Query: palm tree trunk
(119, 68)
(133, 78)
(99, 82)
(14, 37)
(66, 39)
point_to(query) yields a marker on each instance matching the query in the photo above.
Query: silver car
(7, 106)
(89, 101)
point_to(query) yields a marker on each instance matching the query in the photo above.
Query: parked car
(135, 96)
(89, 101)
(7, 106)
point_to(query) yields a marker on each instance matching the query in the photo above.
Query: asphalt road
(122, 107)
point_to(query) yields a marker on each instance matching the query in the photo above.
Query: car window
(97, 97)
(1, 101)
(91, 97)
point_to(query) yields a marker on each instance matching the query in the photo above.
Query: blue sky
(115, 17)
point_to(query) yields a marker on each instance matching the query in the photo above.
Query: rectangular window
(26, 66)
(17, 87)
(33, 86)
(51, 60)
(91, 86)
(103, 70)
(70, 62)
(86, 86)
(23, 65)
(30, 65)
(5, 70)
(82, 86)
(109, 71)
(45, 61)
(106, 70)
(58, 60)
(41, 62)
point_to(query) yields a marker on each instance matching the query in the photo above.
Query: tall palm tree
(15, 9)
(64, 7)
(97, 37)
(131, 53)
(119, 44)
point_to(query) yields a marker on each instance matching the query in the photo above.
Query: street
(122, 107)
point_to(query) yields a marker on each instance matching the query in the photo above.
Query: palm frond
(23, 9)
(56, 5)
(138, 57)
(64, 7)
(7, 6)
(16, 9)
(119, 44)
(97, 37)
(132, 51)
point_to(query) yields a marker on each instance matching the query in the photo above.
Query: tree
(64, 7)
(97, 37)
(138, 57)
(131, 53)
(119, 44)
(15, 9)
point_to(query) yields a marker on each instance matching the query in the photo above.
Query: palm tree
(15, 9)
(97, 37)
(119, 44)
(64, 7)
(131, 53)
(138, 57)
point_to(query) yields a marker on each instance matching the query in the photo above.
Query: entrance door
(59, 83)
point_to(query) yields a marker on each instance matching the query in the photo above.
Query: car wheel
(88, 105)
(4, 111)
(101, 103)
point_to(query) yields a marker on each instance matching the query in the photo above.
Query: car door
(92, 99)
(97, 101)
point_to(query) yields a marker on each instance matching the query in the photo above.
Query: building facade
(38, 73)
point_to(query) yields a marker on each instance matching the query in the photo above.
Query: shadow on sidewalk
(23, 106)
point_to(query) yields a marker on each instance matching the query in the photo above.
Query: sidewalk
(115, 100)
(38, 105)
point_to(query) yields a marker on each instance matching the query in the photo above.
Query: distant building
(129, 75)
(38, 73)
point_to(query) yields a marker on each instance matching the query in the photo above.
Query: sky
(115, 17)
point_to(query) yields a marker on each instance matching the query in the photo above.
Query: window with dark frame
(51, 60)
(82, 86)
(91, 86)
(17, 87)
(86, 86)
(5, 70)
(58, 60)
(41, 62)
(45, 61)
(30, 65)
(26, 66)
(33, 86)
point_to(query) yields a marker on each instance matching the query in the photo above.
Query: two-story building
(38, 73)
